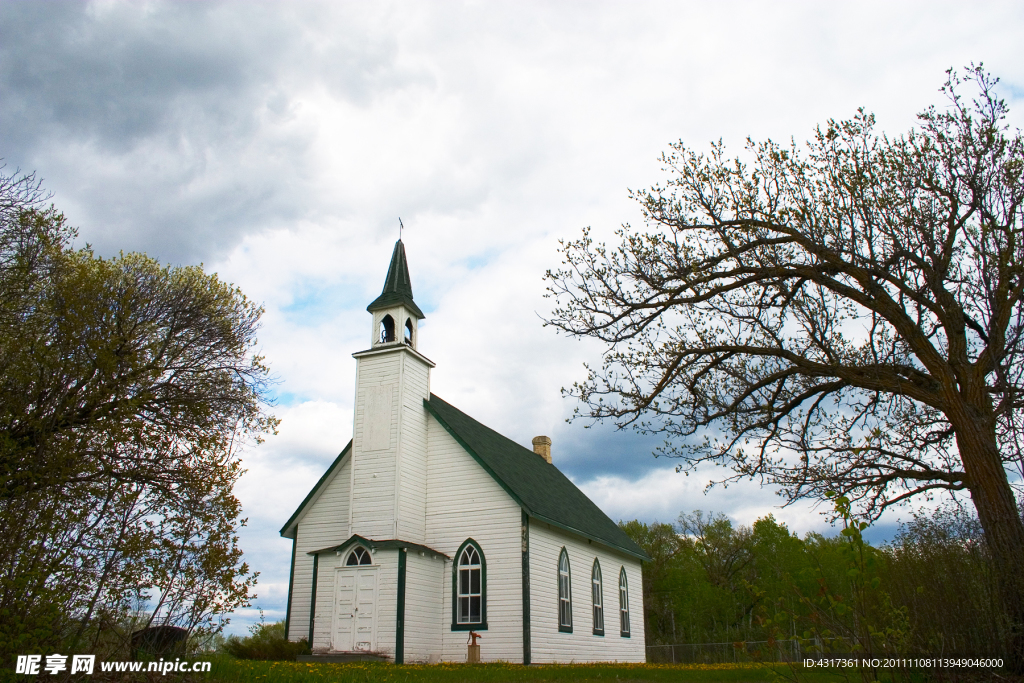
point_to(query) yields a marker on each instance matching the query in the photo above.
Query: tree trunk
(1004, 531)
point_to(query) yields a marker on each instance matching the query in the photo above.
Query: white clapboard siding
(324, 619)
(413, 443)
(387, 601)
(463, 501)
(373, 481)
(389, 441)
(548, 644)
(323, 523)
(424, 574)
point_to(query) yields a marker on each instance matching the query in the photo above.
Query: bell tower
(395, 315)
(389, 434)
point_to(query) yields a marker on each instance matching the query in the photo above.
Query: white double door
(355, 609)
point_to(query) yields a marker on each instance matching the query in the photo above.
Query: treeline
(126, 390)
(931, 590)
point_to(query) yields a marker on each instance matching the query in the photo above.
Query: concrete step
(343, 657)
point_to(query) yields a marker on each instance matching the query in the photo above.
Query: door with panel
(355, 613)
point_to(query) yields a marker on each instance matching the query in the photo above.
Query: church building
(430, 525)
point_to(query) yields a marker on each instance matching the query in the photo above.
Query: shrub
(265, 642)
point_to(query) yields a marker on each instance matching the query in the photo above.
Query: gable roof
(537, 486)
(397, 287)
(312, 494)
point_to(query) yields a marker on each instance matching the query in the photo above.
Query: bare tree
(841, 317)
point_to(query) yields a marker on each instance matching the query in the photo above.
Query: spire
(397, 288)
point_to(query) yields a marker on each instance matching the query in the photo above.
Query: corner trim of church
(526, 588)
(400, 634)
(291, 583)
(312, 601)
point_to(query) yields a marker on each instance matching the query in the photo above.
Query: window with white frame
(470, 608)
(359, 555)
(623, 605)
(564, 593)
(597, 598)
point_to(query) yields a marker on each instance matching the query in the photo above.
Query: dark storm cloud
(121, 76)
(602, 450)
(166, 127)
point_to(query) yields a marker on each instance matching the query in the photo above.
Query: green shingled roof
(397, 287)
(540, 488)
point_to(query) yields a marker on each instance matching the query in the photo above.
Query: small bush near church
(266, 642)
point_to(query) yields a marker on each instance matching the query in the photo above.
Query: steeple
(397, 287)
(389, 432)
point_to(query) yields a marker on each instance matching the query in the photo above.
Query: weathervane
(400, 226)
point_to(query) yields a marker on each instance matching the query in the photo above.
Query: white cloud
(662, 494)
(282, 470)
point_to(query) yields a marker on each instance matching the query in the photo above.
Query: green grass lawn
(240, 671)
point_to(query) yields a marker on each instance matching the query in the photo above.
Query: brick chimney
(542, 447)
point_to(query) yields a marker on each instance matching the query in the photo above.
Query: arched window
(359, 555)
(469, 588)
(597, 597)
(387, 329)
(623, 605)
(408, 331)
(564, 593)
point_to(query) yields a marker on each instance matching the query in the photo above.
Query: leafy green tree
(848, 317)
(932, 589)
(725, 553)
(126, 390)
(708, 580)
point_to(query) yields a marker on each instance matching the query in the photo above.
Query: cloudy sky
(278, 143)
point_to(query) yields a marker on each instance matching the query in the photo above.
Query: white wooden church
(429, 525)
